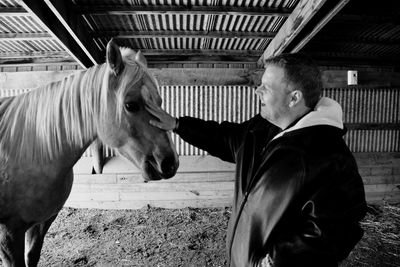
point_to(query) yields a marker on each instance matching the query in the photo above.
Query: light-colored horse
(44, 132)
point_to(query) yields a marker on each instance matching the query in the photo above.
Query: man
(298, 195)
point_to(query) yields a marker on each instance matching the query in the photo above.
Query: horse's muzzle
(165, 169)
(169, 166)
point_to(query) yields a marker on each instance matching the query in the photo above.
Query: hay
(380, 245)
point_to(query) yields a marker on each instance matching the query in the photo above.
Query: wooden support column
(97, 157)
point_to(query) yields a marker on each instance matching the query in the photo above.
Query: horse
(44, 132)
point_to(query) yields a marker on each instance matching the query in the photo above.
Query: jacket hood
(326, 112)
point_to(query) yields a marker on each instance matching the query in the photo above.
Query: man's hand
(165, 121)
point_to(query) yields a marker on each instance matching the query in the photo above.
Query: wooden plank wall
(203, 181)
(373, 112)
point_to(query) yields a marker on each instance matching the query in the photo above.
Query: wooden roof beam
(200, 52)
(66, 14)
(182, 34)
(196, 10)
(306, 20)
(45, 17)
(25, 36)
(36, 54)
(13, 11)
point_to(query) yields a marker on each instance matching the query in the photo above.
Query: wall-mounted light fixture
(352, 77)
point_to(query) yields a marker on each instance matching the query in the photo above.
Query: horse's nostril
(168, 167)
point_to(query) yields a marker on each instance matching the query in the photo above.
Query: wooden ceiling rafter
(351, 59)
(13, 12)
(200, 52)
(306, 20)
(16, 55)
(65, 13)
(26, 36)
(324, 15)
(48, 20)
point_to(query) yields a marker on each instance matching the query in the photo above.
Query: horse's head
(125, 122)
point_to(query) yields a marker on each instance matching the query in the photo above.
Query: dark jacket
(298, 197)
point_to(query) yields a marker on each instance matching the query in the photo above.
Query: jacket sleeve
(221, 140)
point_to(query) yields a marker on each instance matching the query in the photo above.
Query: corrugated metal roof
(191, 30)
(9, 3)
(363, 30)
(246, 3)
(22, 37)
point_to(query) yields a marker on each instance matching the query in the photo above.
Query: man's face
(274, 95)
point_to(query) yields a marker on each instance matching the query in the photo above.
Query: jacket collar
(326, 112)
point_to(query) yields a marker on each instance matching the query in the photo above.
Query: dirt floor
(184, 237)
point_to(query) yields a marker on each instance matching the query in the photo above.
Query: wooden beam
(66, 14)
(34, 54)
(197, 10)
(31, 79)
(182, 34)
(169, 76)
(25, 36)
(297, 20)
(47, 66)
(206, 76)
(327, 15)
(38, 60)
(13, 12)
(203, 64)
(351, 59)
(46, 18)
(197, 59)
(208, 52)
(338, 79)
(209, 76)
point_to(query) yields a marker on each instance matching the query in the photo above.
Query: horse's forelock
(132, 74)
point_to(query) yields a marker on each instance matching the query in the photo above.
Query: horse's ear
(114, 58)
(140, 58)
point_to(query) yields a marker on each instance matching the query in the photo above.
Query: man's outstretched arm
(219, 139)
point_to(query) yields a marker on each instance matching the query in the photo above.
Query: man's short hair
(303, 72)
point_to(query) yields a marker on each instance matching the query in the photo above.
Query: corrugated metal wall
(239, 103)
(370, 105)
(219, 103)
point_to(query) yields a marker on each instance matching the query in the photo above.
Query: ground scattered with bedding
(184, 237)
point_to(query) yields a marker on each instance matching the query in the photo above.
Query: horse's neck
(57, 120)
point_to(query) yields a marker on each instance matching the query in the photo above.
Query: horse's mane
(39, 125)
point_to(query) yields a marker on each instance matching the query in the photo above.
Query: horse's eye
(132, 107)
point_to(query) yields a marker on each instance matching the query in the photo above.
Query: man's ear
(140, 58)
(295, 97)
(114, 58)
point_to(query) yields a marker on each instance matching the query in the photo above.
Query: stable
(208, 58)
